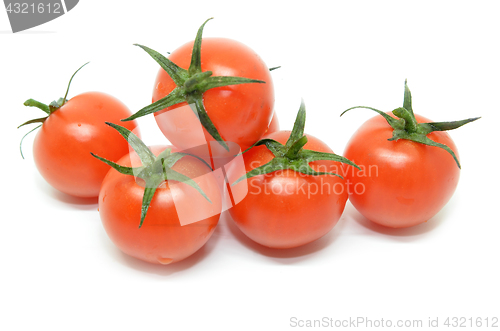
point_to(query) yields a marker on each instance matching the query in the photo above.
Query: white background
(61, 272)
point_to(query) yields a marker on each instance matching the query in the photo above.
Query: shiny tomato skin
(62, 146)
(286, 209)
(274, 126)
(161, 239)
(241, 113)
(402, 183)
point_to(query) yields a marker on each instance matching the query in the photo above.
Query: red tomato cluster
(161, 204)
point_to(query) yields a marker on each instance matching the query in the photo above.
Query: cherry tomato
(66, 138)
(401, 183)
(409, 166)
(240, 113)
(162, 238)
(285, 208)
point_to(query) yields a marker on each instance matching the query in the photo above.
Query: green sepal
(149, 192)
(407, 100)
(423, 139)
(394, 123)
(178, 74)
(318, 156)
(407, 127)
(174, 157)
(69, 84)
(292, 155)
(175, 97)
(267, 168)
(52, 107)
(177, 176)
(195, 66)
(21, 143)
(196, 104)
(271, 144)
(221, 81)
(445, 126)
(191, 84)
(154, 170)
(36, 120)
(154, 179)
(147, 157)
(121, 169)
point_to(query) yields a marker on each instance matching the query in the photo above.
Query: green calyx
(154, 170)
(52, 107)
(406, 126)
(292, 155)
(191, 84)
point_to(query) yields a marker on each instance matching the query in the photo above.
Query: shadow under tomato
(166, 270)
(289, 255)
(76, 202)
(402, 233)
(63, 197)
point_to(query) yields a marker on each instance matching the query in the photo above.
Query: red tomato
(63, 144)
(241, 113)
(273, 126)
(401, 183)
(286, 209)
(161, 239)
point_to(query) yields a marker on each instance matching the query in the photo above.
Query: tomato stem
(191, 84)
(195, 82)
(292, 155)
(154, 170)
(293, 152)
(407, 127)
(37, 104)
(69, 84)
(411, 124)
(52, 107)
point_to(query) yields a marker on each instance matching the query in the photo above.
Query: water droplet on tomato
(165, 260)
